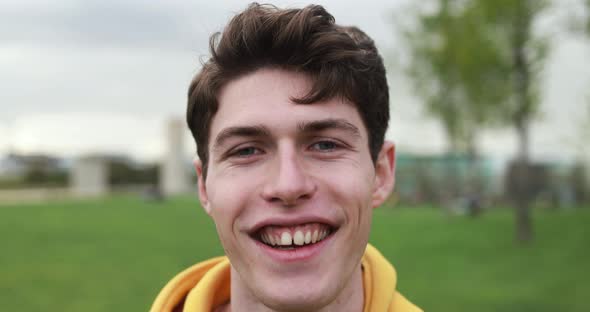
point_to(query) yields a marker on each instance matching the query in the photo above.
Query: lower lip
(299, 254)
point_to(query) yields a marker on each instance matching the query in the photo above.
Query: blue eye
(247, 151)
(325, 146)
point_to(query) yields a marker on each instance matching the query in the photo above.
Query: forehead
(264, 98)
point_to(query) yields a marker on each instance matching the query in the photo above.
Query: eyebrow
(240, 131)
(328, 124)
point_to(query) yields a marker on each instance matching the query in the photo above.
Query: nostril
(275, 199)
(287, 201)
(304, 196)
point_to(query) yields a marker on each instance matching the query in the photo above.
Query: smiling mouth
(293, 237)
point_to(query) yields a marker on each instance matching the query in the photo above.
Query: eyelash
(335, 145)
(237, 152)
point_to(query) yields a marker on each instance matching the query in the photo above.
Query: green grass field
(115, 255)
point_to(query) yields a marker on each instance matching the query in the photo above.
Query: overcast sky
(103, 76)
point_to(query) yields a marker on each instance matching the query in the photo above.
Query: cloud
(127, 81)
(71, 134)
(124, 24)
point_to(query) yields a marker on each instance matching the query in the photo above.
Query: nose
(289, 182)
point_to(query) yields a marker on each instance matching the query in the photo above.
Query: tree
(445, 72)
(527, 57)
(477, 64)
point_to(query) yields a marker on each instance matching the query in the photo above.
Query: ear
(201, 185)
(384, 174)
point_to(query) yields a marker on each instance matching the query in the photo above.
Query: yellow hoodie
(206, 285)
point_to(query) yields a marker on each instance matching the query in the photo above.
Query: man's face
(291, 188)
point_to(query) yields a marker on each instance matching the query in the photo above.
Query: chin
(299, 294)
(297, 301)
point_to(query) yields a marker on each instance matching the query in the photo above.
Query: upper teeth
(286, 239)
(298, 237)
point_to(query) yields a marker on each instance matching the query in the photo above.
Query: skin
(271, 158)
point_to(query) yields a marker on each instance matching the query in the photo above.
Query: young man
(289, 116)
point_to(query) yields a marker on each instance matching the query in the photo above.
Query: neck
(349, 299)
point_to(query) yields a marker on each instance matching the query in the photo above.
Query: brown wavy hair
(340, 61)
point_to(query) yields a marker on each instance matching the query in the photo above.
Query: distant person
(289, 117)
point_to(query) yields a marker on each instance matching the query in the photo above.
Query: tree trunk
(473, 189)
(524, 228)
(522, 83)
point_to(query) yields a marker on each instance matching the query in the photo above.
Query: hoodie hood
(206, 285)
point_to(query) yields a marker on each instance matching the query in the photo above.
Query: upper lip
(291, 221)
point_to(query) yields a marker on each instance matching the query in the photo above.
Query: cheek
(351, 189)
(227, 196)
(360, 193)
(358, 183)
